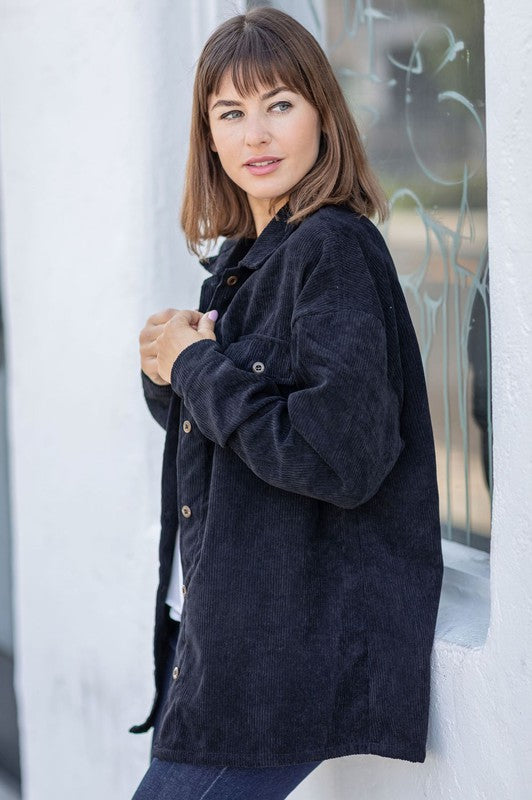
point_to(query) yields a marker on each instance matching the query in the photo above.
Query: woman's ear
(212, 145)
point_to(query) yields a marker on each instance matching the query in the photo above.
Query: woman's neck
(259, 209)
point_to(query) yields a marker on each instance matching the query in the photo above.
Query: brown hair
(259, 48)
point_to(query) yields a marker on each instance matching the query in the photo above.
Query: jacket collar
(261, 248)
(270, 238)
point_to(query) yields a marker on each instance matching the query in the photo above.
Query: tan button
(258, 366)
(175, 673)
(184, 589)
(185, 510)
(187, 426)
(231, 280)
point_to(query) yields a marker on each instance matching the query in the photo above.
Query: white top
(174, 596)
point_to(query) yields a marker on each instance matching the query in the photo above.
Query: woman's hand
(166, 334)
(184, 328)
(147, 343)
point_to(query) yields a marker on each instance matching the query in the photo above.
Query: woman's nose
(257, 132)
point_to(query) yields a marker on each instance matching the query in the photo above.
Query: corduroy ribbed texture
(312, 553)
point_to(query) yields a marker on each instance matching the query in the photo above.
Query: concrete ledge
(464, 612)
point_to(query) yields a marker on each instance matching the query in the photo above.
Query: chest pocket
(263, 356)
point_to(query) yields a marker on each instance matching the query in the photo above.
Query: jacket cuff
(185, 364)
(154, 391)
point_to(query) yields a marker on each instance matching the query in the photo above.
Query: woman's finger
(161, 317)
(191, 316)
(149, 348)
(150, 332)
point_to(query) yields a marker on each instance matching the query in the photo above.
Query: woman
(300, 553)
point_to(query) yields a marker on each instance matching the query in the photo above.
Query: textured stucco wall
(94, 104)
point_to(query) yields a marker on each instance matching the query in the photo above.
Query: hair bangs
(258, 60)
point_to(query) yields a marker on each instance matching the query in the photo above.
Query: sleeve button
(185, 510)
(258, 366)
(175, 673)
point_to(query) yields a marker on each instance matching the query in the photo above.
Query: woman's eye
(226, 115)
(283, 103)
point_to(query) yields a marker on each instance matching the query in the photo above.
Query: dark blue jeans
(169, 780)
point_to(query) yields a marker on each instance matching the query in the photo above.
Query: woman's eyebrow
(265, 96)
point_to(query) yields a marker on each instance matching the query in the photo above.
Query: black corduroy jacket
(299, 462)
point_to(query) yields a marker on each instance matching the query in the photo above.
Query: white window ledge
(464, 612)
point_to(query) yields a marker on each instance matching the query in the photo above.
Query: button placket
(178, 668)
(222, 296)
(188, 449)
(186, 490)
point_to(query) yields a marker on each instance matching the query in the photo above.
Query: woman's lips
(262, 170)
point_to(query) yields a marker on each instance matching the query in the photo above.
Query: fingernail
(213, 315)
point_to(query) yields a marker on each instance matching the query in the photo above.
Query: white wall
(94, 102)
(6, 589)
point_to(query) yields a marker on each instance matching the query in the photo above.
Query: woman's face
(273, 124)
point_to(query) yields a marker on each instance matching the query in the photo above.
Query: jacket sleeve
(337, 434)
(157, 398)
